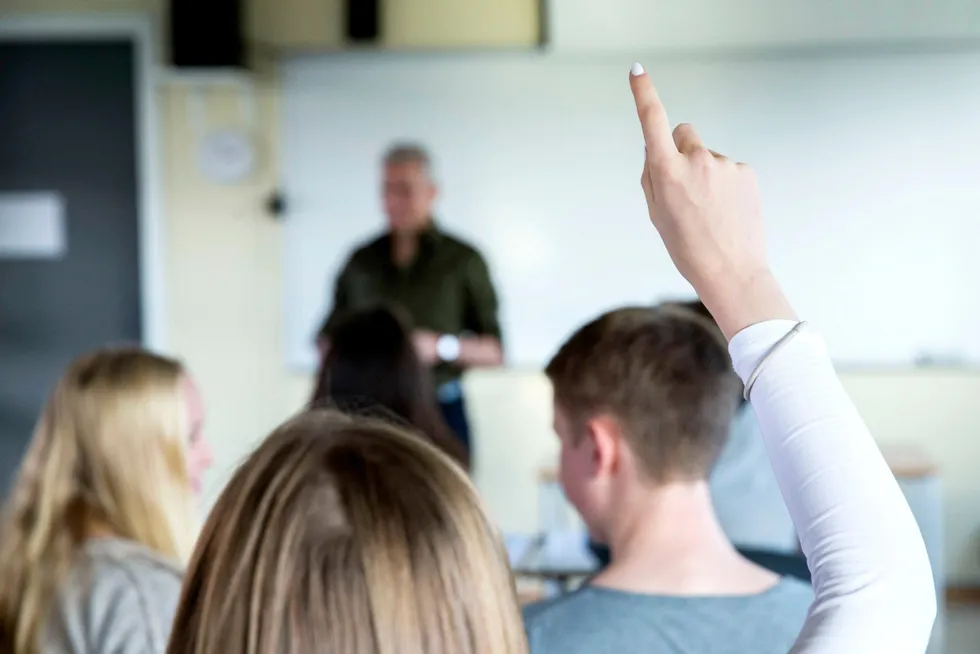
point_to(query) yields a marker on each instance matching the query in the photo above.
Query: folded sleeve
(481, 307)
(873, 584)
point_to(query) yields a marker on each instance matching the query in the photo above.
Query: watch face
(447, 347)
(226, 156)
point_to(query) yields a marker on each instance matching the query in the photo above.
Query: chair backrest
(785, 565)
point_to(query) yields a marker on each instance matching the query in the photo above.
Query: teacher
(441, 282)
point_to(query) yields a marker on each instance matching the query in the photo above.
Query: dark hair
(371, 369)
(665, 378)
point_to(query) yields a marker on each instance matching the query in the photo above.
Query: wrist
(743, 300)
(448, 348)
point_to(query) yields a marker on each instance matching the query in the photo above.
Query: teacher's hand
(708, 212)
(426, 346)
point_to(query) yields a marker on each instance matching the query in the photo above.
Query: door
(68, 121)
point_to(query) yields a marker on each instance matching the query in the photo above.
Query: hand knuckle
(702, 157)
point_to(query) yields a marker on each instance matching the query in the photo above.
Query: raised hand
(709, 215)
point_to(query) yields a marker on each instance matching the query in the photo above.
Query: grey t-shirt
(120, 598)
(595, 620)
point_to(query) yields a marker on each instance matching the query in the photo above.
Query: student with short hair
(102, 515)
(644, 399)
(744, 491)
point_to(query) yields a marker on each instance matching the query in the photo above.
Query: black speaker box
(363, 20)
(207, 34)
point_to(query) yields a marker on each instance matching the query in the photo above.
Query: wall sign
(32, 226)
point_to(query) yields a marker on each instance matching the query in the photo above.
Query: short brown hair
(663, 375)
(344, 534)
(697, 307)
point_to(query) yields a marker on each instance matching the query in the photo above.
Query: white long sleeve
(872, 581)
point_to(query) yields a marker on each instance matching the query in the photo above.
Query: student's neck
(668, 542)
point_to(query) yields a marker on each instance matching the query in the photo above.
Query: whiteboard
(869, 167)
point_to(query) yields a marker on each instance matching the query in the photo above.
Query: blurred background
(194, 177)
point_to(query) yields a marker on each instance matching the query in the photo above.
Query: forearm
(871, 574)
(480, 351)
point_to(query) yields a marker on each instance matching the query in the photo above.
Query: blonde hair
(108, 453)
(344, 534)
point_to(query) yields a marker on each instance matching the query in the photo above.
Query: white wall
(664, 25)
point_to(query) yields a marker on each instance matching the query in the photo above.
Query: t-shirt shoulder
(122, 598)
(550, 616)
(132, 558)
(794, 589)
(596, 617)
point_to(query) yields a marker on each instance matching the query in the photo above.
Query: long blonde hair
(108, 453)
(343, 534)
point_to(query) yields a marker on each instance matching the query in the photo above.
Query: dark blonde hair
(663, 374)
(108, 452)
(343, 534)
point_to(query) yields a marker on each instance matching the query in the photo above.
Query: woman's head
(371, 364)
(116, 451)
(344, 534)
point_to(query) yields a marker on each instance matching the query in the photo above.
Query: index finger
(653, 117)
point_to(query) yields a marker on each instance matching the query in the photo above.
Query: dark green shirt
(446, 289)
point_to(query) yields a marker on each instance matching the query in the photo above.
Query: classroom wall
(223, 278)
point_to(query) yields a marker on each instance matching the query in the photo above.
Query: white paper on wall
(32, 226)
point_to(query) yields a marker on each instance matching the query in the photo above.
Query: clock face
(226, 156)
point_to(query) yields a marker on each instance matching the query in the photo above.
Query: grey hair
(403, 153)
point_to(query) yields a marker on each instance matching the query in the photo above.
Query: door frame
(140, 29)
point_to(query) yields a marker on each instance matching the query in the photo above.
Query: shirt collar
(429, 234)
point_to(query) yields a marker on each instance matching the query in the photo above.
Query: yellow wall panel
(296, 23)
(409, 24)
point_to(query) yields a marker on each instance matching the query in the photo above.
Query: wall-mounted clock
(226, 156)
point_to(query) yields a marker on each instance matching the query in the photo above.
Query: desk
(567, 561)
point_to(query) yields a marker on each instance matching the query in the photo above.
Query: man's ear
(606, 440)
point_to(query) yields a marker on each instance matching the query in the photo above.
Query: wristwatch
(447, 347)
